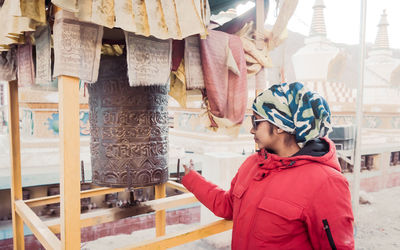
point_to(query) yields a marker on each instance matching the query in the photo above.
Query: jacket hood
(321, 150)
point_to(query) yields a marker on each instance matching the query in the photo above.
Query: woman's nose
(252, 131)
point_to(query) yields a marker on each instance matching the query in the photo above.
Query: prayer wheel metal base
(129, 129)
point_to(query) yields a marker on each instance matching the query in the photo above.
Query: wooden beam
(15, 153)
(160, 192)
(70, 162)
(84, 194)
(100, 216)
(39, 229)
(176, 185)
(171, 202)
(33, 105)
(107, 215)
(186, 236)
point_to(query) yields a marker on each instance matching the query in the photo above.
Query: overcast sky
(342, 19)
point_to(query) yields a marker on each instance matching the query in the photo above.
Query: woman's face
(263, 132)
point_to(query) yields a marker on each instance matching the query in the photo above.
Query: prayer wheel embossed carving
(129, 129)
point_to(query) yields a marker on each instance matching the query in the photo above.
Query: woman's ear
(279, 130)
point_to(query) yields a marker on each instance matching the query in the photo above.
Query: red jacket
(281, 202)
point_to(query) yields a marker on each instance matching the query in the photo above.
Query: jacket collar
(269, 161)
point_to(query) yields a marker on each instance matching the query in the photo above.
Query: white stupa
(319, 63)
(381, 69)
(312, 62)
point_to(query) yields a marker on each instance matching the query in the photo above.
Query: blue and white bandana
(296, 110)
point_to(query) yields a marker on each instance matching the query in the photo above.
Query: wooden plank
(176, 185)
(47, 105)
(70, 162)
(183, 237)
(48, 239)
(35, 202)
(84, 194)
(171, 202)
(107, 215)
(160, 192)
(99, 216)
(15, 153)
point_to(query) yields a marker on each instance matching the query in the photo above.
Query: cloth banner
(141, 19)
(225, 79)
(13, 24)
(33, 9)
(26, 72)
(149, 60)
(193, 68)
(171, 19)
(77, 48)
(85, 11)
(8, 66)
(68, 5)
(178, 85)
(103, 13)
(124, 17)
(155, 17)
(163, 19)
(189, 19)
(43, 55)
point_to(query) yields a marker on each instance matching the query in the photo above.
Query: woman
(291, 193)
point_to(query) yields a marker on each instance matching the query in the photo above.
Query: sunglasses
(255, 121)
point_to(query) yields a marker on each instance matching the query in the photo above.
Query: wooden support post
(70, 162)
(39, 229)
(160, 192)
(384, 162)
(15, 153)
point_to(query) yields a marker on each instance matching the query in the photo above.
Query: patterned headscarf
(296, 110)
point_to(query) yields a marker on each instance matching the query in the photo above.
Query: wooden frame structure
(71, 220)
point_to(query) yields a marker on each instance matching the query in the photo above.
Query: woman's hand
(188, 168)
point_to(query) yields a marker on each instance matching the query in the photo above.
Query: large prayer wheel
(129, 129)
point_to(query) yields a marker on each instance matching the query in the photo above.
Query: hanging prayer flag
(149, 60)
(193, 68)
(103, 12)
(124, 17)
(69, 5)
(8, 66)
(26, 74)
(77, 48)
(43, 55)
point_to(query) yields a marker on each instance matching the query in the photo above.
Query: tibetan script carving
(26, 74)
(193, 68)
(77, 48)
(43, 55)
(149, 60)
(129, 129)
